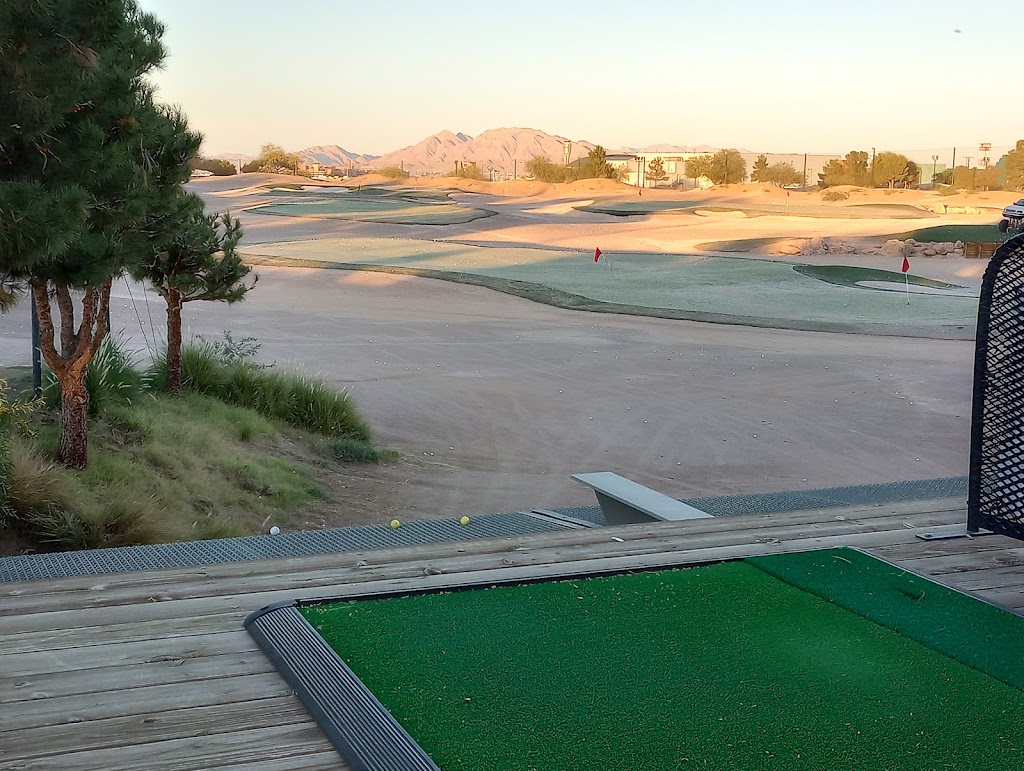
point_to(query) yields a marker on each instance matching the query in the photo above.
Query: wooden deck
(153, 670)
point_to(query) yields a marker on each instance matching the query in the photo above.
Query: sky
(766, 75)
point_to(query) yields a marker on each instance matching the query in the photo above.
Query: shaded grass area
(970, 631)
(639, 208)
(849, 276)
(160, 468)
(782, 209)
(984, 234)
(739, 245)
(382, 210)
(723, 666)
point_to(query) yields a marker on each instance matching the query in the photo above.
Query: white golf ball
(275, 530)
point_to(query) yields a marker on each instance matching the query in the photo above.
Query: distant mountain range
(670, 149)
(504, 150)
(334, 155)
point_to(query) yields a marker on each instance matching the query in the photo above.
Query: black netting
(996, 487)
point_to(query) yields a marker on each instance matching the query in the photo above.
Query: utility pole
(872, 167)
(952, 169)
(935, 168)
(805, 171)
(37, 364)
(515, 169)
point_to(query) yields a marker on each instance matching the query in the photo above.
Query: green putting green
(830, 660)
(703, 288)
(852, 275)
(982, 234)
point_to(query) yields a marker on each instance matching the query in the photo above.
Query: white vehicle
(1013, 217)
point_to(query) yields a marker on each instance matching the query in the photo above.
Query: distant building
(317, 170)
(674, 164)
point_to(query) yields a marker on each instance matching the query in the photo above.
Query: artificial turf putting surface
(983, 234)
(850, 275)
(731, 665)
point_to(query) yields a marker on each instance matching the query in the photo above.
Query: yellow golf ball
(464, 521)
(395, 524)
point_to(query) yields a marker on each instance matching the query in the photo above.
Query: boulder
(893, 248)
(941, 249)
(939, 208)
(929, 252)
(815, 244)
(972, 210)
(788, 249)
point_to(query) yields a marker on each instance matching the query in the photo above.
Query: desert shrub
(112, 377)
(296, 399)
(471, 171)
(834, 195)
(230, 351)
(44, 502)
(201, 369)
(291, 397)
(353, 451)
(393, 172)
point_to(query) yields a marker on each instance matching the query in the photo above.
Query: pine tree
(760, 172)
(656, 171)
(1013, 163)
(192, 257)
(76, 161)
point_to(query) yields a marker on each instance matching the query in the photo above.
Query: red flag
(906, 264)
(597, 255)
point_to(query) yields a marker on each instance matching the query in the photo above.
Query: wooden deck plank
(150, 727)
(140, 701)
(149, 651)
(323, 761)
(241, 749)
(394, 556)
(634, 541)
(102, 679)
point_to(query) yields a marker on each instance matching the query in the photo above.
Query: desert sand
(495, 400)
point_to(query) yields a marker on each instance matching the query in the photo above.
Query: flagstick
(608, 262)
(906, 277)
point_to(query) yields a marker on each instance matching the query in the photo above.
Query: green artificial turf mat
(972, 632)
(717, 667)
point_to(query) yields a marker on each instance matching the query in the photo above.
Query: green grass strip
(972, 632)
(722, 667)
(982, 234)
(849, 275)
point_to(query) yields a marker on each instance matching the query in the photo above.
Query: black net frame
(995, 499)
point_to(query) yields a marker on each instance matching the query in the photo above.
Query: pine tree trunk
(174, 304)
(74, 409)
(69, 368)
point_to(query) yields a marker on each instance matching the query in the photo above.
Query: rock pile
(941, 208)
(891, 248)
(912, 248)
